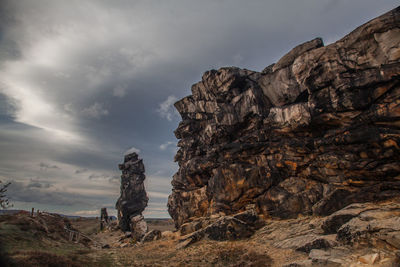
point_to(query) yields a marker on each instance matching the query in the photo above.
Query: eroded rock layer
(133, 199)
(316, 131)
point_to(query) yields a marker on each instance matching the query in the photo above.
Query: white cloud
(166, 109)
(156, 210)
(165, 145)
(95, 111)
(131, 150)
(157, 194)
(87, 212)
(33, 108)
(119, 91)
(69, 108)
(98, 176)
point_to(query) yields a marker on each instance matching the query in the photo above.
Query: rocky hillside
(310, 134)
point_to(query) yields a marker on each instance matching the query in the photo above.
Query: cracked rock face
(133, 199)
(308, 135)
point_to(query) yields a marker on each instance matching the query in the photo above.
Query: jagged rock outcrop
(311, 134)
(133, 199)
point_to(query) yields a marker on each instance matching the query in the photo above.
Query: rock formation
(361, 234)
(104, 219)
(311, 134)
(133, 199)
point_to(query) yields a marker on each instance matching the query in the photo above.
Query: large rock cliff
(316, 131)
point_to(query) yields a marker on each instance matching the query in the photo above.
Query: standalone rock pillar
(103, 218)
(133, 199)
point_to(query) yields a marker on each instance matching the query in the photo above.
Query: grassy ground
(164, 252)
(88, 226)
(203, 253)
(42, 241)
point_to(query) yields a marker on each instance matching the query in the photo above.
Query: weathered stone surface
(304, 234)
(151, 236)
(306, 243)
(369, 258)
(238, 226)
(331, 258)
(138, 226)
(104, 219)
(133, 199)
(311, 134)
(376, 225)
(289, 58)
(332, 223)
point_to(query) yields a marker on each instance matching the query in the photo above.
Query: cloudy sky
(83, 82)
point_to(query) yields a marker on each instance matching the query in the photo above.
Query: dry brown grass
(43, 241)
(204, 253)
(239, 255)
(40, 258)
(88, 226)
(35, 247)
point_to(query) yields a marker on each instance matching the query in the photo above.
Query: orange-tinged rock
(309, 135)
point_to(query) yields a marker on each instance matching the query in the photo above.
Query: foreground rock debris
(361, 233)
(133, 199)
(309, 135)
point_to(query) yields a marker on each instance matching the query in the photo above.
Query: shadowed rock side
(310, 134)
(133, 199)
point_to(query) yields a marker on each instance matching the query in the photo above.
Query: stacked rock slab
(133, 199)
(316, 131)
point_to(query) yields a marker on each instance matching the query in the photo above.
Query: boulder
(138, 226)
(151, 236)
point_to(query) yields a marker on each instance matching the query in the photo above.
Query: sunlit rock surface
(311, 134)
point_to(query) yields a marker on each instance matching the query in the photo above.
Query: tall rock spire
(133, 199)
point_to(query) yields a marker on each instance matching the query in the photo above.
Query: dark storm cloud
(82, 82)
(37, 183)
(37, 193)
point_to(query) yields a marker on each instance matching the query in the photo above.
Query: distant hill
(3, 212)
(9, 211)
